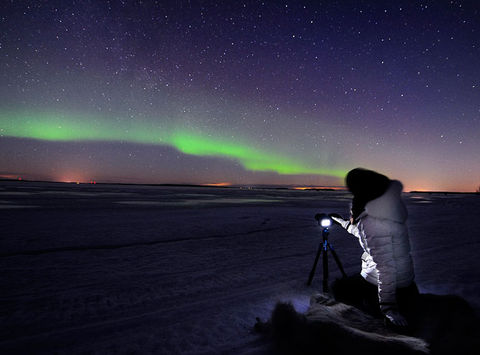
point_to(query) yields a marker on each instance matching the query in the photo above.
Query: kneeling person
(378, 219)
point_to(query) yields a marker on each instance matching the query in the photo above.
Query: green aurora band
(55, 127)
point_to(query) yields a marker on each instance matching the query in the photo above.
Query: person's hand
(396, 318)
(337, 219)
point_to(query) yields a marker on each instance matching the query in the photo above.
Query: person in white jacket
(378, 219)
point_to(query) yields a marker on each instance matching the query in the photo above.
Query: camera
(323, 219)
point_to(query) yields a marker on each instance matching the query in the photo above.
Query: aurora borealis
(50, 127)
(247, 92)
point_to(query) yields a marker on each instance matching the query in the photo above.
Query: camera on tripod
(325, 222)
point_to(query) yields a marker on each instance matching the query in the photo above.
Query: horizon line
(220, 185)
(297, 187)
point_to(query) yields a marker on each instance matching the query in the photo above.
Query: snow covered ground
(122, 269)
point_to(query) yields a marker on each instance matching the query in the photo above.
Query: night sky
(241, 92)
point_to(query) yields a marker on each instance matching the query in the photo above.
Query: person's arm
(348, 225)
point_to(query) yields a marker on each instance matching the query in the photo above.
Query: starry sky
(241, 92)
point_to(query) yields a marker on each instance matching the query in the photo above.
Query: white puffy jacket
(383, 235)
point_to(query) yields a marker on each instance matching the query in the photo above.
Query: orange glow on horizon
(431, 186)
(220, 184)
(72, 178)
(69, 181)
(10, 176)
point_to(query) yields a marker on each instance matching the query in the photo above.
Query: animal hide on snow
(331, 327)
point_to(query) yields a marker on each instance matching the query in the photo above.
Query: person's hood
(366, 185)
(389, 205)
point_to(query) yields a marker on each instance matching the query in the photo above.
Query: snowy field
(185, 270)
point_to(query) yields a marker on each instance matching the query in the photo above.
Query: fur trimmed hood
(365, 185)
(389, 205)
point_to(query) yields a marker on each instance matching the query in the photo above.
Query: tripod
(325, 246)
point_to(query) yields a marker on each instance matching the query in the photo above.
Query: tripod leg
(325, 267)
(337, 260)
(312, 272)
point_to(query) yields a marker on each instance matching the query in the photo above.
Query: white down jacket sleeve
(351, 228)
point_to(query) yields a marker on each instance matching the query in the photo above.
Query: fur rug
(445, 325)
